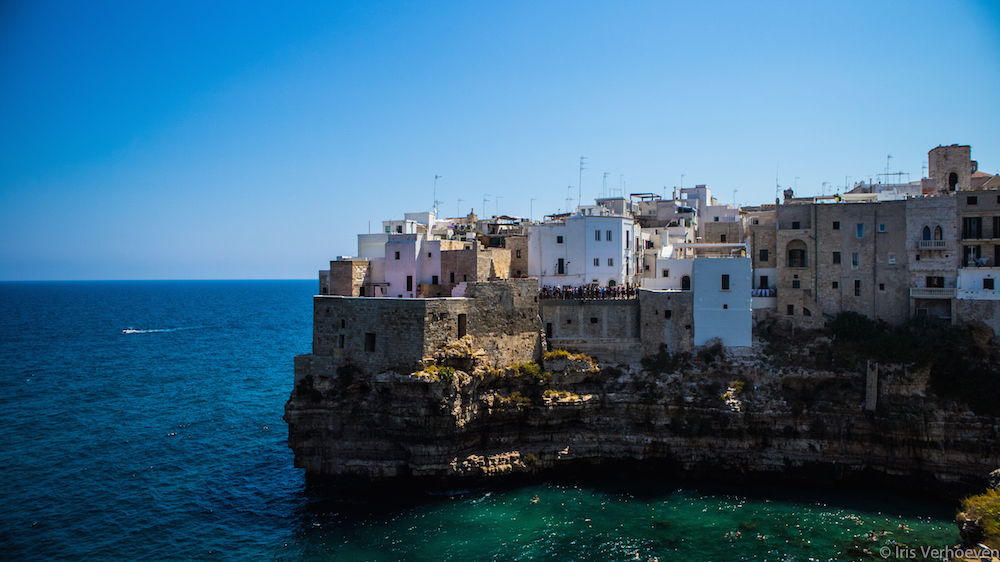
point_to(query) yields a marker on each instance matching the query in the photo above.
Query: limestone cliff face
(738, 414)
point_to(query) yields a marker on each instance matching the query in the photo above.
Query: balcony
(929, 293)
(931, 244)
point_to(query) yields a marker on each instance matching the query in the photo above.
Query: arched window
(685, 283)
(938, 235)
(952, 181)
(927, 233)
(611, 283)
(796, 253)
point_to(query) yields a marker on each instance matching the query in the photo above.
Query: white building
(576, 250)
(722, 293)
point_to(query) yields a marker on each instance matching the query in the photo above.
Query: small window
(857, 287)
(796, 284)
(763, 255)
(646, 267)
(468, 247)
(593, 320)
(343, 323)
(725, 282)
(666, 314)
(723, 239)
(597, 235)
(881, 286)
(861, 230)
(725, 306)
(611, 262)
(517, 253)
(429, 254)
(609, 236)
(756, 221)
(399, 229)
(340, 342)
(881, 228)
(972, 200)
(763, 282)
(892, 259)
(795, 225)
(836, 258)
(463, 320)
(597, 262)
(836, 225)
(855, 260)
(836, 285)
(716, 219)
(569, 320)
(791, 310)
(805, 312)
(918, 257)
(397, 255)
(518, 272)
(558, 241)
(465, 277)
(369, 342)
(666, 273)
(434, 280)
(409, 282)
(987, 284)
(451, 277)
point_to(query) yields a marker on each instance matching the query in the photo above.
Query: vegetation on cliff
(984, 510)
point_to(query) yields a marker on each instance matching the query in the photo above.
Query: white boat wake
(131, 330)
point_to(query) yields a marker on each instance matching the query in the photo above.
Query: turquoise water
(168, 444)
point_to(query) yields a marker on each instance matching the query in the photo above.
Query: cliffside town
(680, 332)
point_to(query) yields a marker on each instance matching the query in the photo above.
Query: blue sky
(205, 140)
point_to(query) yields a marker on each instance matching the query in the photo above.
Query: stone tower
(951, 167)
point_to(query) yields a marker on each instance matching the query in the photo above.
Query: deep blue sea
(168, 444)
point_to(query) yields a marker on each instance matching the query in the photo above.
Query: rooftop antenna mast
(458, 208)
(531, 210)
(579, 197)
(436, 177)
(486, 199)
(604, 191)
(621, 185)
(734, 198)
(777, 187)
(569, 198)
(887, 158)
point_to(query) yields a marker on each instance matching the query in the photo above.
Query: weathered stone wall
(933, 259)
(968, 311)
(518, 246)
(458, 266)
(675, 332)
(347, 278)
(712, 232)
(397, 326)
(607, 330)
(499, 264)
(985, 205)
(503, 320)
(945, 160)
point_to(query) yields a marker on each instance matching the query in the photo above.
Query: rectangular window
(561, 267)
(593, 320)
(465, 277)
(836, 225)
(388, 230)
(987, 284)
(517, 253)
(434, 280)
(399, 229)
(343, 323)
(558, 240)
(934, 282)
(611, 262)
(716, 219)
(609, 236)
(429, 254)
(397, 255)
(795, 225)
(892, 259)
(462, 324)
(836, 285)
(666, 273)
(791, 310)
(725, 282)
(340, 343)
(881, 286)
(369, 342)
(763, 255)
(723, 239)
(972, 200)
(996, 227)
(836, 258)
(451, 278)
(597, 235)
(597, 262)
(857, 287)
(861, 230)
(796, 284)
(881, 228)
(972, 228)
(763, 282)
(855, 261)
(409, 282)
(666, 314)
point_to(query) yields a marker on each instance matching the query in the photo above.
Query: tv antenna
(486, 199)
(583, 162)
(436, 177)
(569, 197)
(458, 208)
(604, 191)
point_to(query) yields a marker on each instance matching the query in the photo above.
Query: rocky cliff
(756, 413)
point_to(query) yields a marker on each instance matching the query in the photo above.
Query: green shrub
(518, 399)
(985, 510)
(533, 370)
(561, 394)
(446, 374)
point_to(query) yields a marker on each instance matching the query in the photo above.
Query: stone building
(934, 254)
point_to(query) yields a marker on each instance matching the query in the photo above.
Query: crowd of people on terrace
(589, 292)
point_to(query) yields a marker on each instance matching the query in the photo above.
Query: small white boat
(131, 330)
